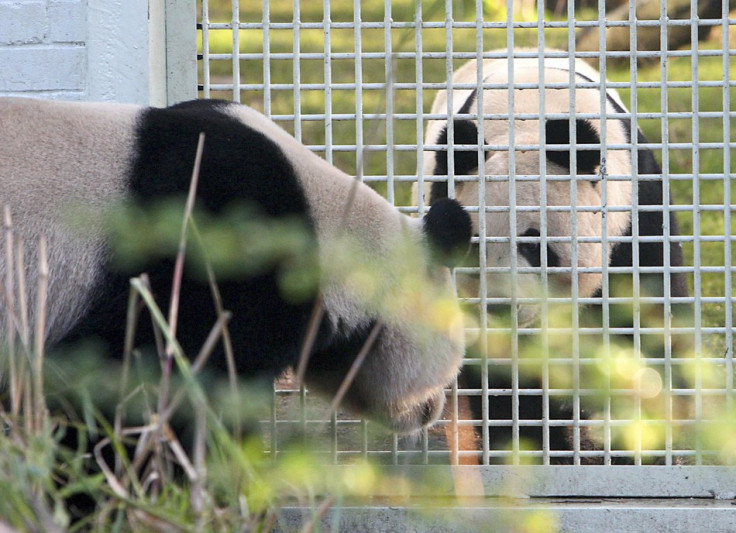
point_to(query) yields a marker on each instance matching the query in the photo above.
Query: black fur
(240, 165)
(651, 224)
(557, 131)
(465, 108)
(532, 251)
(448, 228)
(465, 160)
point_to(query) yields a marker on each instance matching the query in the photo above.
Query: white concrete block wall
(115, 50)
(42, 48)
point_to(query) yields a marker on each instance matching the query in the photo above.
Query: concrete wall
(114, 50)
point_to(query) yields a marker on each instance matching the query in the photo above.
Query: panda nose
(499, 310)
(432, 409)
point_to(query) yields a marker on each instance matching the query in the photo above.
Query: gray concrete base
(532, 515)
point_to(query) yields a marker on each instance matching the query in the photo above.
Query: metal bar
(276, 87)
(297, 71)
(708, 482)
(664, 106)
(728, 228)
(266, 27)
(206, 66)
(326, 28)
(235, 27)
(574, 240)
(697, 285)
(505, 515)
(512, 243)
(605, 294)
(543, 235)
(482, 232)
(419, 107)
(635, 212)
(359, 122)
(390, 78)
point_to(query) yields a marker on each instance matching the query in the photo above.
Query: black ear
(448, 229)
(465, 161)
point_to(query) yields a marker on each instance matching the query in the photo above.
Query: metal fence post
(173, 45)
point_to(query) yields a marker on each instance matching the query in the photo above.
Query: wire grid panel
(606, 376)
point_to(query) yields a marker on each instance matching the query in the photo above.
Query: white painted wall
(112, 50)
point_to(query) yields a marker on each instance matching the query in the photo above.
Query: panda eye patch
(558, 132)
(532, 251)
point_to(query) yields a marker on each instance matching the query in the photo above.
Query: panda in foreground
(58, 159)
(607, 186)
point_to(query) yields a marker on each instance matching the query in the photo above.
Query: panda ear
(448, 229)
(465, 162)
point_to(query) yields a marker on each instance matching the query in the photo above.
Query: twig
(113, 481)
(23, 311)
(312, 329)
(350, 376)
(39, 408)
(227, 344)
(319, 515)
(179, 265)
(178, 450)
(130, 330)
(178, 272)
(198, 489)
(199, 362)
(10, 306)
(22, 401)
(160, 321)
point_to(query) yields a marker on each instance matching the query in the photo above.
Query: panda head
(420, 337)
(537, 221)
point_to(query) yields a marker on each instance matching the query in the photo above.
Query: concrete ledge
(564, 481)
(563, 515)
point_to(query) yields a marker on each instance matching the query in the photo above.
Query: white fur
(61, 165)
(527, 163)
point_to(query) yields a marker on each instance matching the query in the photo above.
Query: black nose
(498, 310)
(432, 408)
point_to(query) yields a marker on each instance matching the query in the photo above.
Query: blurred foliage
(523, 10)
(240, 242)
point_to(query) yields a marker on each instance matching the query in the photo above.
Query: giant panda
(606, 189)
(58, 159)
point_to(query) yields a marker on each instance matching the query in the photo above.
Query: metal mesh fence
(620, 373)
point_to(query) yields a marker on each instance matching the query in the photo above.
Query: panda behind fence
(612, 187)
